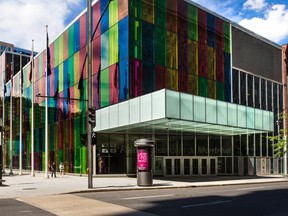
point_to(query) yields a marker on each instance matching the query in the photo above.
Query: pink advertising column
(144, 161)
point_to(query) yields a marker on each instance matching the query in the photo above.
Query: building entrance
(176, 166)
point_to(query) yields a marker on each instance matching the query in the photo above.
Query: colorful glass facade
(139, 47)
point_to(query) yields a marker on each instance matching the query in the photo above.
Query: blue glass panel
(77, 36)
(211, 35)
(148, 77)
(147, 41)
(123, 80)
(123, 38)
(105, 19)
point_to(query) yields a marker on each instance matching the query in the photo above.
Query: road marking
(203, 204)
(252, 188)
(147, 197)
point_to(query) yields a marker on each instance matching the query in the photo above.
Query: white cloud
(272, 26)
(24, 20)
(257, 5)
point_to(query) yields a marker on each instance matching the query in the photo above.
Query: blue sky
(268, 18)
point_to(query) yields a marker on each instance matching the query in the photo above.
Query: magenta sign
(142, 159)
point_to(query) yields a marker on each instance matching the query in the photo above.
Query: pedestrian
(53, 169)
(61, 168)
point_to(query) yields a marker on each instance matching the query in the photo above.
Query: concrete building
(208, 92)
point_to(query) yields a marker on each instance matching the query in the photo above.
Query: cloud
(24, 20)
(272, 26)
(257, 5)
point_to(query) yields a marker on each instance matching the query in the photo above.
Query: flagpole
(32, 117)
(3, 131)
(11, 121)
(46, 109)
(20, 143)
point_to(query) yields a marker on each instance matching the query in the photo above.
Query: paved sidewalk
(27, 186)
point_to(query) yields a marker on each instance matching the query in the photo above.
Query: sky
(24, 20)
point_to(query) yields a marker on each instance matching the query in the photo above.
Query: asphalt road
(238, 200)
(11, 207)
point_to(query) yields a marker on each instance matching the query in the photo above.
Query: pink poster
(142, 159)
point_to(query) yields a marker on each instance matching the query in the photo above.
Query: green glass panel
(113, 45)
(258, 119)
(220, 91)
(192, 23)
(104, 88)
(210, 110)
(227, 36)
(199, 109)
(250, 117)
(40, 65)
(71, 40)
(172, 50)
(202, 87)
(222, 113)
(148, 10)
(56, 52)
(83, 160)
(113, 13)
(160, 46)
(135, 38)
(135, 8)
(71, 71)
(160, 13)
(61, 77)
(51, 136)
(61, 52)
(241, 113)
(232, 114)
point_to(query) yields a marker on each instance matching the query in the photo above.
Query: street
(252, 199)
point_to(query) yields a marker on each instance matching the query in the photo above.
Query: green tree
(280, 140)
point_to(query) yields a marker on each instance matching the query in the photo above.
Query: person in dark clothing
(53, 169)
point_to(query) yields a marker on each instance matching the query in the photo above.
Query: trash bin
(144, 161)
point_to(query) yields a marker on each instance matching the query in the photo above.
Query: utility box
(144, 161)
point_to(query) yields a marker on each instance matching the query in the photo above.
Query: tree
(280, 140)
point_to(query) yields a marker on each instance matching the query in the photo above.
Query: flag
(98, 80)
(48, 56)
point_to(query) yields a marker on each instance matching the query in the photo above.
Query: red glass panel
(135, 79)
(183, 82)
(160, 77)
(96, 16)
(113, 80)
(96, 55)
(52, 55)
(82, 60)
(219, 27)
(83, 30)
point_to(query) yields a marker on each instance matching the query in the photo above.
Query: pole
(20, 143)
(284, 81)
(46, 110)
(3, 125)
(11, 120)
(32, 117)
(89, 80)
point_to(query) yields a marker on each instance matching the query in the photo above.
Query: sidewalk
(27, 186)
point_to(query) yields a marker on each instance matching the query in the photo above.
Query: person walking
(53, 169)
(61, 168)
